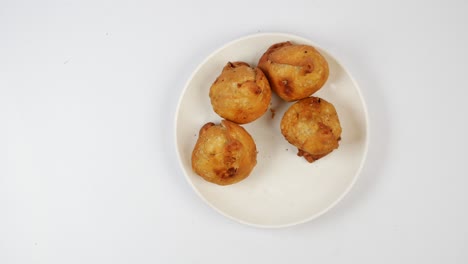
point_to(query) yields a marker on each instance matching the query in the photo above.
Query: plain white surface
(88, 171)
(283, 189)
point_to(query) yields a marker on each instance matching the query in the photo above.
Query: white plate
(283, 189)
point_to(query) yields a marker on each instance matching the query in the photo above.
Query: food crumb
(273, 112)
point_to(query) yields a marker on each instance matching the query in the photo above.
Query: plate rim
(366, 143)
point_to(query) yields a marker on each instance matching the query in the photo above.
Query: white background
(88, 170)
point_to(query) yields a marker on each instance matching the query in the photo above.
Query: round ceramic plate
(283, 189)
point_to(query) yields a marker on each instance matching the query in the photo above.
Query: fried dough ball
(294, 71)
(240, 93)
(312, 125)
(224, 154)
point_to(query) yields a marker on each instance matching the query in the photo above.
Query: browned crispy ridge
(294, 71)
(224, 154)
(312, 125)
(241, 93)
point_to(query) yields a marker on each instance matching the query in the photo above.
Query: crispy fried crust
(294, 71)
(224, 154)
(240, 94)
(312, 125)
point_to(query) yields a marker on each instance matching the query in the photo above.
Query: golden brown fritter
(224, 154)
(312, 125)
(240, 94)
(294, 71)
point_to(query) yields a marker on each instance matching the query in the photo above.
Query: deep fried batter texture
(224, 154)
(240, 93)
(312, 125)
(294, 71)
